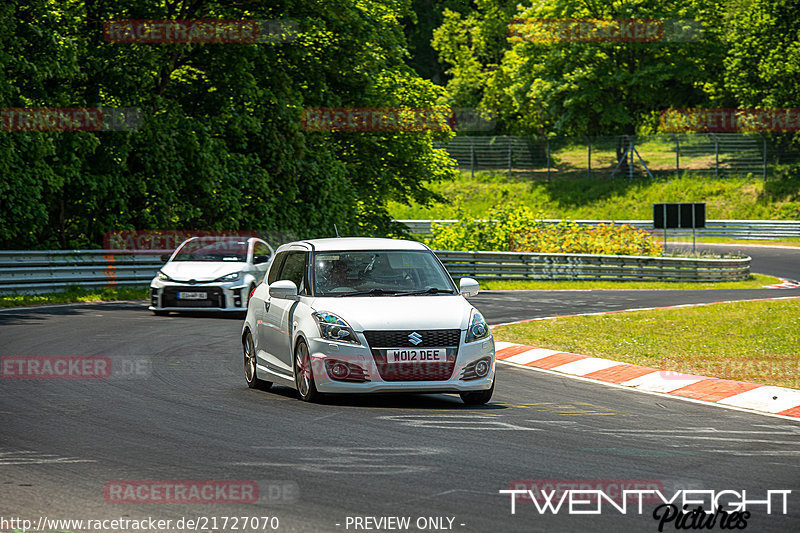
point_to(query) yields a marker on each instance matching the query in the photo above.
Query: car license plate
(416, 355)
(192, 295)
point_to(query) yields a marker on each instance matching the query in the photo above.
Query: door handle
(266, 305)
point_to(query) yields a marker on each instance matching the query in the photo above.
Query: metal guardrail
(53, 270)
(588, 267)
(48, 271)
(737, 229)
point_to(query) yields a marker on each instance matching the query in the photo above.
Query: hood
(200, 270)
(399, 312)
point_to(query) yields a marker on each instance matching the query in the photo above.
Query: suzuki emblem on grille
(415, 338)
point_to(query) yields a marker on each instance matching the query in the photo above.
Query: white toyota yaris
(356, 315)
(210, 274)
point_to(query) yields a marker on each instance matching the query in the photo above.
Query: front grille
(435, 338)
(214, 297)
(431, 338)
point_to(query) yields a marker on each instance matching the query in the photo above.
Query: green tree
(577, 88)
(221, 143)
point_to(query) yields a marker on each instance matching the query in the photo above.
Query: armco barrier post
(588, 157)
(548, 159)
(472, 157)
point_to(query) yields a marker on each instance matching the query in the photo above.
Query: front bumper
(323, 349)
(219, 296)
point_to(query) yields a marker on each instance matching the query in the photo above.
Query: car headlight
(478, 329)
(333, 328)
(163, 277)
(233, 276)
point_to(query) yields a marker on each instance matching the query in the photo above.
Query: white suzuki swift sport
(353, 315)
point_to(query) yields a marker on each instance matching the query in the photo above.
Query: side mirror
(468, 287)
(165, 257)
(283, 290)
(259, 259)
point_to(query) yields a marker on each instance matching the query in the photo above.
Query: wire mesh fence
(720, 154)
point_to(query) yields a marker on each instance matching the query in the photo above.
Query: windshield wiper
(429, 290)
(377, 291)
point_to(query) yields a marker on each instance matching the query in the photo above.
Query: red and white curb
(764, 398)
(785, 284)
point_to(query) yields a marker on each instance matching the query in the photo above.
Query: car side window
(294, 269)
(275, 269)
(261, 252)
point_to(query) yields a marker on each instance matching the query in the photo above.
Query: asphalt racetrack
(185, 415)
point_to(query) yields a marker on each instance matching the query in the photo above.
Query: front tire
(304, 374)
(249, 294)
(250, 371)
(478, 397)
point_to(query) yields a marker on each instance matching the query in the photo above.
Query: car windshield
(379, 273)
(213, 250)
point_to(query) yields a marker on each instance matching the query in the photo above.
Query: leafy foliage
(569, 237)
(513, 227)
(221, 144)
(573, 88)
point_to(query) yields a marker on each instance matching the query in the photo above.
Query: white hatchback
(357, 315)
(210, 274)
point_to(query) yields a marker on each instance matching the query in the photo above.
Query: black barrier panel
(693, 216)
(674, 215)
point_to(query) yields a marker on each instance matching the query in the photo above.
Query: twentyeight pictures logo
(683, 509)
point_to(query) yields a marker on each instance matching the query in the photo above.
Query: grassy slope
(747, 341)
(613, 199)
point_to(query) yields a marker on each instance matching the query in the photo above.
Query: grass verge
(757, 342)
(74, 295)
(756, 281)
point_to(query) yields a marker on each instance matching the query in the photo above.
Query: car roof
(243, 238)
(356, 243)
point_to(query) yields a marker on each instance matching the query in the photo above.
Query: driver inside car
(336, 275)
